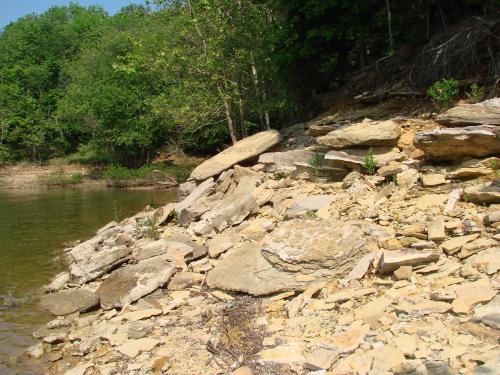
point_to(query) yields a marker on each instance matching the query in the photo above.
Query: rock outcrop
(470, 114)
(309, 262)
(456, 144)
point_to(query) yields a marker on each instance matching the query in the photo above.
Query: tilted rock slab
(369, 133)
(128, 284)
(321, 248)
(245, 149)
(470, 114)
(459, 143)
(91, 259)
(246, 270)
(69, 301)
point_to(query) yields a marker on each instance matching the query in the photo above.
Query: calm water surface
(33, 226)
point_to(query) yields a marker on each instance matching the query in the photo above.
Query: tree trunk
(257, 93)
(229, 119)
(389, 25)
(443, 21)
(242, 117)
(266, 113)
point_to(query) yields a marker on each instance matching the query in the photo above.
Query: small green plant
(442, 91)
(494, 166)
(394, 179)
(311, 214)
(369, 162)
(475, 93)
(465, 197)
(316, 161)
(279, 176)
(147, 227)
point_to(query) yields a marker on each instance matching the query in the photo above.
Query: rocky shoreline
(300, 263)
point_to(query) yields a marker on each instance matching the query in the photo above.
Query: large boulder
(459, 143)
(471, 114)
(128, 284)
(320, 248)
(69, 301)
(246, 270)
(367, 133)
(245, 149)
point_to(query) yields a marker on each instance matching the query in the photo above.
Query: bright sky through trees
(12, 10)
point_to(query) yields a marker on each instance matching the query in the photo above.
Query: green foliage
(369, 162)
(279, 176)
(475, 93)
(443, 91)
(119, 176)
(394, 179)
(193, 75)
(494, 166)
(316, 161)
(59, 178)
(147, 227)
(311, 214)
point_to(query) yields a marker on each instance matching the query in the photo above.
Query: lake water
(34, 224)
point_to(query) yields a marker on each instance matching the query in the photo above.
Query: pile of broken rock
(271, 270)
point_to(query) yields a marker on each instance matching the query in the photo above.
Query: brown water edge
(34, 224)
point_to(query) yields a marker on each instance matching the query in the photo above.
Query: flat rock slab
(470, 114)
(327, 247)
(69, 301)
(391, 260)
(369, 133)
(354, 158)
(130, 283)
(132, 348)
(246, 270)
(489, 314)
(487, 193)
(459, 143)
(245, 149)
(310, 203)
(276, 161)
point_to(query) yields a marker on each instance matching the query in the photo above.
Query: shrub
(316, 162)
(369, 162)
(442, 91)
(475, 93)
(147, 227)
(59, 178)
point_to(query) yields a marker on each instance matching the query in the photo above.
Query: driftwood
(171, 182)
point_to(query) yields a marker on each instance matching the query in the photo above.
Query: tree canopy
(192, 75)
